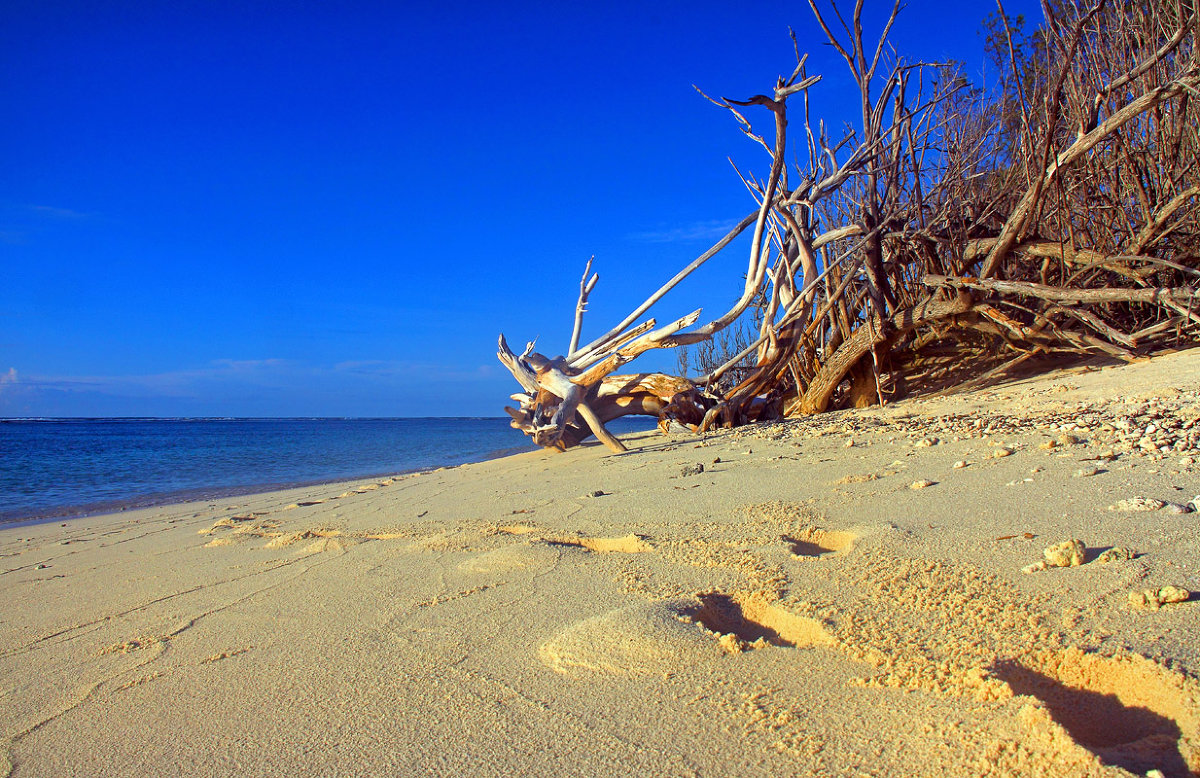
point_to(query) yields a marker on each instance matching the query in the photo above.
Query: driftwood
(1181, 295)
(1057, 215)
(870, 336)
(544, 415)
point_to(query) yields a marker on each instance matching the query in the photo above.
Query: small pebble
(920, 484)
(1086, 472)
(960, 464)
(1176, 508)
(695, 469)
(1000, 453)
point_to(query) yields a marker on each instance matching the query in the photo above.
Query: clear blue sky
(277, 209)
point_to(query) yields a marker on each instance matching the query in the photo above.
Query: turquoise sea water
(52, 468)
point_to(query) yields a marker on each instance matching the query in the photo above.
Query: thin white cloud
(267, 374)
(415, 370)
(366, 365)
(711, 230)
(246, 365)
(23, 223)
(57, 213)
(268, 387)
(176, 383)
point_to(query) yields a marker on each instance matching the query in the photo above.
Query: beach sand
(837, 595)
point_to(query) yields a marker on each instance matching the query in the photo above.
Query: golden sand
(797, 608)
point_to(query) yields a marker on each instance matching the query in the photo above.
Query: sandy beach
(857, 593)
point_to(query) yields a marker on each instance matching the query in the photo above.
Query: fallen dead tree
(1058, 215)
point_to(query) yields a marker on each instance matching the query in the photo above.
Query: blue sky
(332, 209)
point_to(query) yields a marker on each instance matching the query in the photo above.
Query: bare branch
(585, 288)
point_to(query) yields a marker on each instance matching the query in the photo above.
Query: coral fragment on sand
(1134, 504)
(1069, 553)
(1115, 554)
(1153, 599)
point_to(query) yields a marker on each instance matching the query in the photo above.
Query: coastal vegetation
(956, 232)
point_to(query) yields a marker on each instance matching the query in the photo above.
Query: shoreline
(834, 595)
(144, 497)
(21, 518)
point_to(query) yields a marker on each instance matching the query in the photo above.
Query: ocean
(61, 468)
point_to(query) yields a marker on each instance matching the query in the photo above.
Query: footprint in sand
(805, 539)
(809, 542)
(1126, 711)
(229, 522)
(1129, 711)
(657, 637)
(324, 540)
(240, 529)
(753, 621)
(628, 544)
(386, 535)
(517, 529)
(327, 544)
(642, 639)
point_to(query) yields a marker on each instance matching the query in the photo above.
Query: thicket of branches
(1054, 213)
